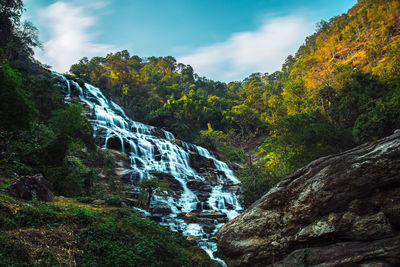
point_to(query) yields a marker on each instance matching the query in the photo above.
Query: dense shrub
(16, 110)
(115, 201)
(85, 199)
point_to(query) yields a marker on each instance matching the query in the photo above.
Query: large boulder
(198, 185)
(340, 210)
(30, 187)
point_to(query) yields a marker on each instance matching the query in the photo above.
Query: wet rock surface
(31, 187)
(340, 210)
(200, 163)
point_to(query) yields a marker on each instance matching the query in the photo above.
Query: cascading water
(204, 189)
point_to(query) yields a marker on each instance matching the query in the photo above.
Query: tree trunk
(150, 192)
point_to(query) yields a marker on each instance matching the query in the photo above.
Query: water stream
(204, 190)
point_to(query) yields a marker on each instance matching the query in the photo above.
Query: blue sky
(223, 40)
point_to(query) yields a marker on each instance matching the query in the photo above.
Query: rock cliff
(342, 209)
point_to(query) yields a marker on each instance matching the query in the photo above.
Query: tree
(16, 40)
(151, 186)
(16, 110)
(10, 15)
(70, 125)
(303, 137)
(356, 97)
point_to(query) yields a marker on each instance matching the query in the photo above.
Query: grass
(67, 232)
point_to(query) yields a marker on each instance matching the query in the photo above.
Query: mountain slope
(366, 38)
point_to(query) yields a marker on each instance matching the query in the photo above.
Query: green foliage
(157, 90)
(31, 148)
(11, 255)
(151, 186)
(302, 138)
(133, 247)
(99, 158)
(73, 178)
(368, 106)
(245, 118)
(37, 214)
(356, 97)
(298, 114)
(367, 127)
(231, 152)
(255, 183)
(80, 216)
(5, 154)
(46, 97)
(17, 39)
(70, 125)
(101, 237)
(210, 138)
(16, 110)
(85, 199)
(40, 133)
(223, 144)
(114, 201)
(105, 237)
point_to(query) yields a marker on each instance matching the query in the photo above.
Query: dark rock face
(29, 187)
(174, 184)
(115, 143)
(161, 209)
(201, 164)
(158, 132)
(232, 188)
(199, 185)
(340, 210)
(177, 142)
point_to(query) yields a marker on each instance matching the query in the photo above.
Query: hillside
(67, 232)
(367, 38)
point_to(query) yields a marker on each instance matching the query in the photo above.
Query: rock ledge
(342, 209)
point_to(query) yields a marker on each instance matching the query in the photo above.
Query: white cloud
(243, 53)
(69, 36)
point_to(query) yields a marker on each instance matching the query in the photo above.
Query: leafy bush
(80, 215)
(255, 182)
(85, 199)
(70, 125)
(31, 148)
(16, 110)
(302, 138)
(99, 158)
(114, 201)
(73, 178)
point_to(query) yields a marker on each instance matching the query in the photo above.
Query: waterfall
(205, 189)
